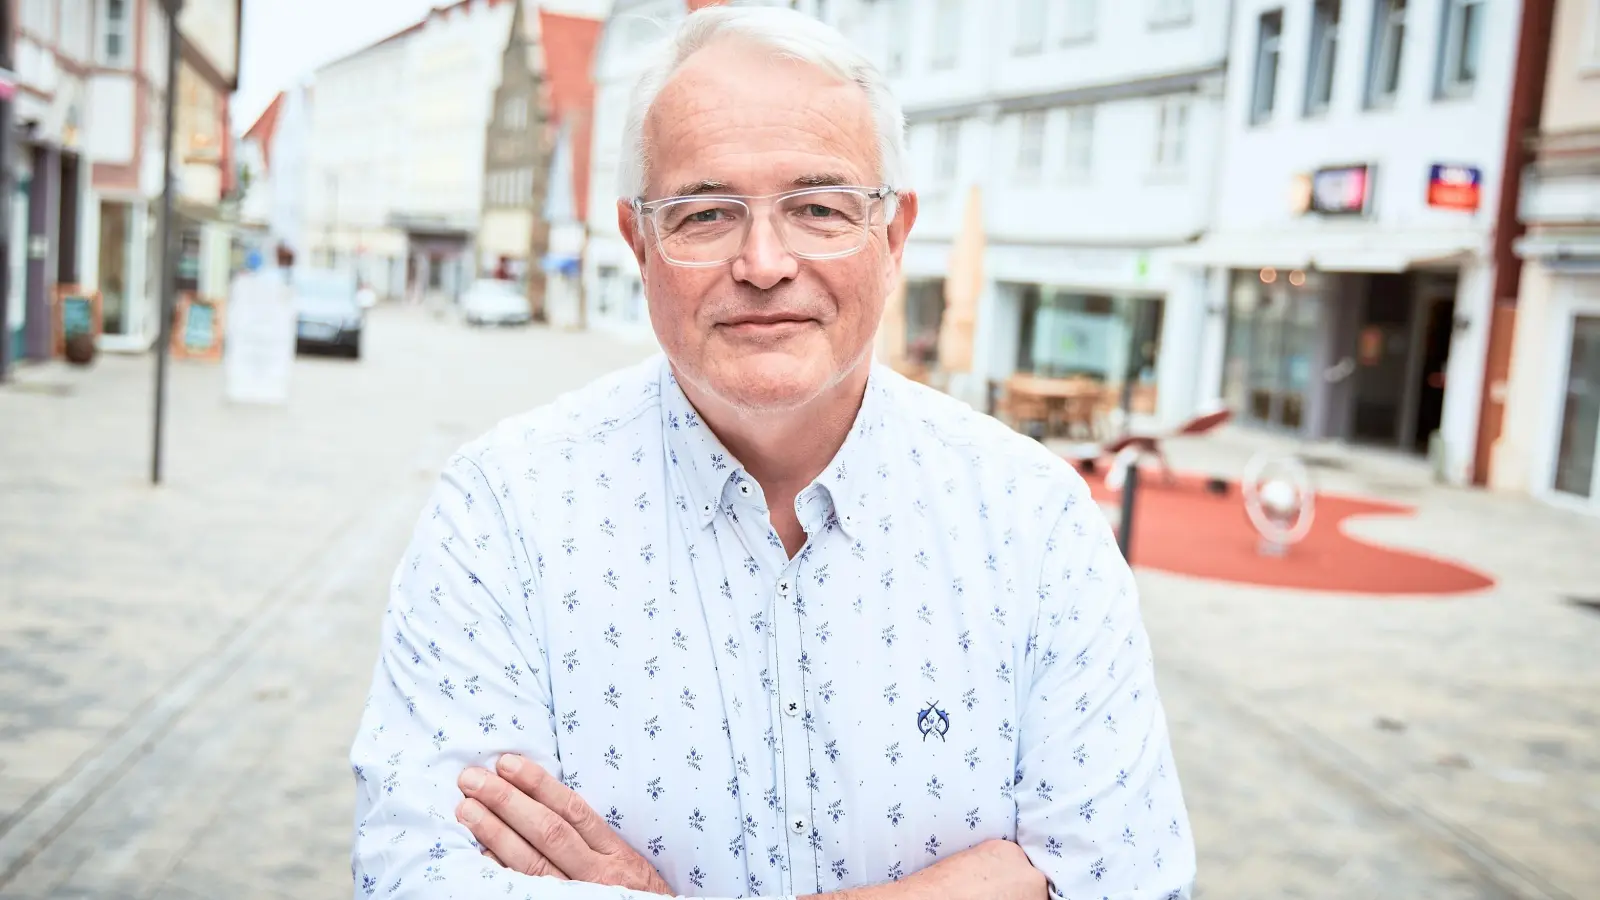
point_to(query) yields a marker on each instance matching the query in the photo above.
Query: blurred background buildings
(1372, 222)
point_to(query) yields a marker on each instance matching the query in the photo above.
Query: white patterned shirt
(955, 655)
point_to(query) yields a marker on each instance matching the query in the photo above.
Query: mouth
(754, 326)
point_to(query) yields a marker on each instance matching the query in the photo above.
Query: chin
(772, 382)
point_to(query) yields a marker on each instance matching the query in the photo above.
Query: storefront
(1358, 357)
(1551, 441)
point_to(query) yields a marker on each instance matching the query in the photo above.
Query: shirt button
(706, 509)
(744, 488)
(848, 520)
(791, 708)
(783, 586)
(797, 825)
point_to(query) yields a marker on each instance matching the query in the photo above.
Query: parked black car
(330, 315)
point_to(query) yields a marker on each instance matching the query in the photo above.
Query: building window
(1031, 24)
(1269, 46)
(1172, 134)
(1324, 54)
(948, 151)
(75, 36)
(1388, 44)
(898, 21)
(1030, 144)
(1168, 13)
(1080, 21)
(1079, 157)
(1458, 50)
(946, 33)
(115, 48)
(1592, 50)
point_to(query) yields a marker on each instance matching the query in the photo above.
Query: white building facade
(613, 294)
(1345, 279)
(1089, 127)
(394, 185)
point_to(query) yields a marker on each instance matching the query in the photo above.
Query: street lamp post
(168, 263)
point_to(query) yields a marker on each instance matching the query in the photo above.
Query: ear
(633, 231)
(905, 216)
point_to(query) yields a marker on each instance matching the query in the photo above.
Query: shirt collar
(712, 476)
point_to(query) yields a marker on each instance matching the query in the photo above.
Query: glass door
(1580, 415)
(1272, 333)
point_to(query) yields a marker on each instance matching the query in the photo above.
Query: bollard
(1130, 488)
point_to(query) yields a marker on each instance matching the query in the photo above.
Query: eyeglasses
(811, 223)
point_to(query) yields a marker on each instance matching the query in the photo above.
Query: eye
(818, 211)
(705, 215)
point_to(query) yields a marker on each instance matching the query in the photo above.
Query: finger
(534, 823)
(501, 844)
(489, 855)
(548, 791)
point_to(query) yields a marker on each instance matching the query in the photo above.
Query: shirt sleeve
(1099, 808)
(460, 679)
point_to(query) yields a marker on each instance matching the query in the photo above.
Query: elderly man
(759, 618)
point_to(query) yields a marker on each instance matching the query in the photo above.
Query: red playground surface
(1184, 529)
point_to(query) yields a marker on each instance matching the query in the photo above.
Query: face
(767, 331)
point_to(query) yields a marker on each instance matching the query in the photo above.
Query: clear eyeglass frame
(881, 197)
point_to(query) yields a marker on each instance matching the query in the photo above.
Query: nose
(764, 262)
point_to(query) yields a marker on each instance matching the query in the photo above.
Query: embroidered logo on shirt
(934, 721)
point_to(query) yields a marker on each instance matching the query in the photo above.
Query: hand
(993, 870)
(529, 821)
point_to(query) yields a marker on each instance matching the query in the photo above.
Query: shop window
(1066, 334)
(924, 314)
(1579, 439)
(116, 234)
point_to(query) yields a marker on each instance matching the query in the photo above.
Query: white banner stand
(259, 355)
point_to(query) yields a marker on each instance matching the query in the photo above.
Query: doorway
(1272, 338)
(1579, 437)
(1438, 326)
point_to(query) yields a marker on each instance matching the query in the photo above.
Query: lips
(761, 321)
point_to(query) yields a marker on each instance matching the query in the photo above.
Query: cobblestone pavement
(182, 669)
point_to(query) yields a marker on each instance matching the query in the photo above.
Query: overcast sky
(285, 39)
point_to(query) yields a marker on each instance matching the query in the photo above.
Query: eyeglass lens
(711, 230)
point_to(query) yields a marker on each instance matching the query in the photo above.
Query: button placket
(793, 701)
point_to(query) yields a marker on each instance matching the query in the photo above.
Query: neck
(785, 451)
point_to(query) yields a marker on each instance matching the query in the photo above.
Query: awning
(560, 265)
(1581, 250)
(1333, 251)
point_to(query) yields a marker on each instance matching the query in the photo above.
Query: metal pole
(168, 264)
(1130, 482)
(1130, 487)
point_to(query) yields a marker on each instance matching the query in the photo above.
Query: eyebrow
(704, 186)
(712, 186)
(822, 179)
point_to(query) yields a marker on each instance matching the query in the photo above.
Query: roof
(569, 44)
(266, 124)
(414, 27)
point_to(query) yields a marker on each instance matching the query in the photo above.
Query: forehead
(744, 117)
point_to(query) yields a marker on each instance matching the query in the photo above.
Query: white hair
(792, 35)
